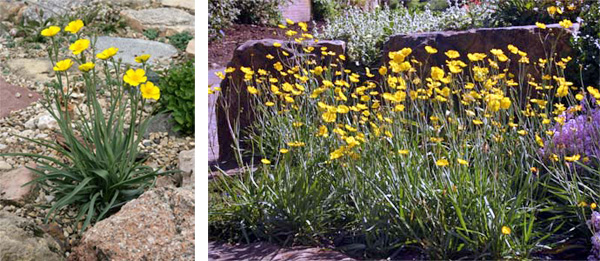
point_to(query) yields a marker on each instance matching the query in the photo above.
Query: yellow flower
(63, 65)
(506, 230)
(477, 122)
(452, 54)
(442, 162)
(74, 26)
(566, 23)
(437, 73)
(323, 131)
(522, 132)
(284, 151)
(150, 91)
(106, 54)
(593, 206)
(403, 152)
(252, 90)
(50, 31)
(329, 116)
(337, 153)
(562, 90)
(540, 25)
(462, 162)
(277, 44)
(135, 77)
(289, 21)
(86, 67)
(430, 49)
(539, 141)
(572, 158)
(142, 58)
(265, 161)
(551, 10)
(79, 46)
(269, 103)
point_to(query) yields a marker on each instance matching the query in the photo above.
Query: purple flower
(595, 220)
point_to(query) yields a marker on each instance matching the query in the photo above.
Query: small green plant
(180, 40)
(98, 167)
(151, 34)
(178, 85)
(221, 15)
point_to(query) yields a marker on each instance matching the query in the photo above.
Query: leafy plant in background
(180, 40)
(151, 34)
(265, 12)
(98, 167)
(178, 95)
(325, 9)
(221, 14)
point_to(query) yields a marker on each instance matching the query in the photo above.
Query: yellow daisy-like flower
(106, 54)
(150, 91)
(284, 151)
(540, 25)
(74, 26)
(86, 67)
(63, 65)
(142, 58)
(452, 54)
(506, 230)
(50, 31)
(462, 162)
(573, 158)
(79, 46)
(566, 23)
(442, 162)
(276, 44)
(135, 77)
(430, 49)
(265, 161)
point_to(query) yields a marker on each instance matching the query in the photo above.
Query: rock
(186, 4)
(159, 225)
(162, 123)
(11, 185)
(129, 48)
(46, 122)
(32, 68)
(5, 166)
(23, 240)
(8, 105)
(3, 146)
(168, 21)
(190, 50)
(129, 3)
(526, 38)
(31, 123)
(9, 10)
(253, 54)
(50, 8)
(18, 95)
(186, 164)
(269, 251)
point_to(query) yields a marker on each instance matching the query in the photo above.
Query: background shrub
(177, 87)
(259, 11)
(221, 14)
(325, 9)
(181, 40)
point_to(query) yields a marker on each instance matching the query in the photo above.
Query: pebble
(5, 166)
(3, 146)
(18, 95)
(30, 95)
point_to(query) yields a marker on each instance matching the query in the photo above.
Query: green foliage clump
(366, 31)
(221, 14)
(151, 34)
(177, 86)
(325, 9)
(180, 40)
(264, 12)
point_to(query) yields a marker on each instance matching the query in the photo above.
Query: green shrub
(177, 85)
(263, 12)
(587, 44)
(151, 34)
(180, 40)
(365, 32)
(221, 14)
(98, 167)
(325, 9)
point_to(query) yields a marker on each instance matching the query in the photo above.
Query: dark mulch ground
(221, 51)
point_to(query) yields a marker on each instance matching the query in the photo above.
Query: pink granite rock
(159, 225)
(11, 185)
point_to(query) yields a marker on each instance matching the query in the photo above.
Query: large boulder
(129, 48)
(233, 102)
(526, 38)
(21, 239)
(159, 225)
(167, 21)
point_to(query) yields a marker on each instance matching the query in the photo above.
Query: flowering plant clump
(440, 158)
(98, 167)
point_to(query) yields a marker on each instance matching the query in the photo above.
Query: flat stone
(11, 185)
(186, 4)
(22, 239)
(162, 123)
(51, 8)
(186, 164)
(12, 104)
(129, 3)
(168, 21)
(266, 251)
(32, 68)
(129, 48)
(5, 166)
(159, 225)
(191, 48)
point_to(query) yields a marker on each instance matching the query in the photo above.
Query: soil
(220, 51)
